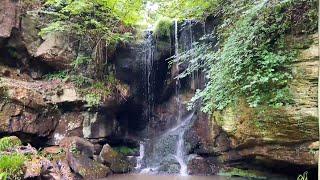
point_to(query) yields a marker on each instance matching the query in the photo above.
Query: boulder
(98, 125)
(30, 28)
(26, 150)
(69, 124)
(65, 170)
(86, 167)
(113, 159)
(77, 145)
(9, 17)
(198, 165)
(56, 51)
(40, 167)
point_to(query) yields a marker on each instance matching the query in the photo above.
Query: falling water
(180, 144)
(141, 156)
(180, 155)
(178, 85)
(148, 51)
(166, 153)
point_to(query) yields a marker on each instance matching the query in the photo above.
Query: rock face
(9, 17)
(265, 134)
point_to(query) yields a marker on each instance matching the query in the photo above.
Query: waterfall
(176, 72)
(148, 50)
(180, 150)
(166, 151)
(180, 144)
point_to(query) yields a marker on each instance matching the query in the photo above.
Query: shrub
(251, 59)
(93, 99)
(57, 75)
(163, 27)
(3, 176)
(12, 166)
(9, 142)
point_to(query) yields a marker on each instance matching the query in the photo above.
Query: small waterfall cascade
(176, 71)
(148, 63)
(140, 157)
(167, 151)
(147, 58)
(180, 143)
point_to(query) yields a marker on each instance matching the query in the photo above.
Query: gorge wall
(143, 105)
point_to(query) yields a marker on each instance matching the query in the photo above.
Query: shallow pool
(166, 177)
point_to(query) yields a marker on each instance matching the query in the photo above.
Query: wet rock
(86, 167)
(132, 160)
(116, 162)
(130, 64)
(169, 165)
(198, 165)
(77, 145)
(205, 137)
(98, 125)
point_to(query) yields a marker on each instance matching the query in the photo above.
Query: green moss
(4, 94)
(12, 165)
(57, 75)
(93, 99)
(3, 176)
(241, 173)
(163, 27)
(9, 142)
(125, 150)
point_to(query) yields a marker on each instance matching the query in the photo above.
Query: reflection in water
(166, 177)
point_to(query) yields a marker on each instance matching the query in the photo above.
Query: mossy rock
(266, 124)
(242, 173)
(10, 142)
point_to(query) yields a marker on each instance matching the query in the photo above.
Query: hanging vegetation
(252, 61)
